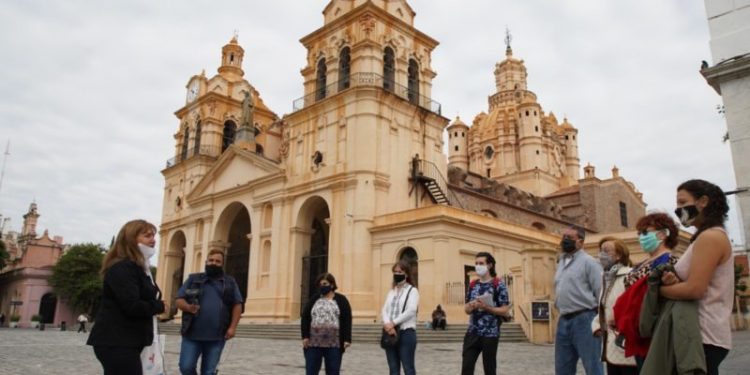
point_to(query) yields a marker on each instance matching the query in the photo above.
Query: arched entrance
(175, 267)
(234, 229)
(410, 255)
(47, 307)
(314, 220)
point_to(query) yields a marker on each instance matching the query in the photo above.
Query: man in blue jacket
(211, 303)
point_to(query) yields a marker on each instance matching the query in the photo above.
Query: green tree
(4, 256)
(76, 276)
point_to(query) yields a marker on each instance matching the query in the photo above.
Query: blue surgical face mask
(649, 242)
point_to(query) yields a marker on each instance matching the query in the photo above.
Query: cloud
(90, 89)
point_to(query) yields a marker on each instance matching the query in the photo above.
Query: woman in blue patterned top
(483, 334)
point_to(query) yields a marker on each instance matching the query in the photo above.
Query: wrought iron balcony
(368, 80)
(210, 151)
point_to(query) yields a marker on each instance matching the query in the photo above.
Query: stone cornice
(727, 70)
(451, 215)
(206, 98)
(382, 14)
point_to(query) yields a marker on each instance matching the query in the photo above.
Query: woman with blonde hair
(615, 259)
(130, 301)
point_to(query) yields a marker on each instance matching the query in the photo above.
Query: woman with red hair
(657, 235)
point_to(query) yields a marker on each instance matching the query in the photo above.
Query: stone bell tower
(365, 112)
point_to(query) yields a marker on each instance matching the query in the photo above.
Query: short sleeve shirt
(482, 323)
(212, 320)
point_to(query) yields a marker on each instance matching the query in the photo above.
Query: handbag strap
(406, 299)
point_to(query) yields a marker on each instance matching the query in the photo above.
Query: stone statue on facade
(245, 136)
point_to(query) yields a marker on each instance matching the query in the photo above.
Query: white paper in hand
(487, 299)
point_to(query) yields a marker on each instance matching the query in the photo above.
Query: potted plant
(14, 321)
(35, 319)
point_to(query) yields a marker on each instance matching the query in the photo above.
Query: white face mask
(481, 270)
(147, 252)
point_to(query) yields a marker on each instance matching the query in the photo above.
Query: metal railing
(426, 169)
(211, 151)
(368, 80)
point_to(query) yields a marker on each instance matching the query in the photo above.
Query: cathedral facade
(355, 178)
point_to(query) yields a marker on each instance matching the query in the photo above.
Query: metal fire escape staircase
(426, 174)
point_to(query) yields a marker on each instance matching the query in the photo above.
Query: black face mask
(568, 245)
(325, 289)
(686, 214)
(214, 271)
(398, 278)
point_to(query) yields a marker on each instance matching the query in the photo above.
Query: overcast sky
(89, 90)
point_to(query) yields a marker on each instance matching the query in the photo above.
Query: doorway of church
(315, 261)
(237, 263)
(47, 307)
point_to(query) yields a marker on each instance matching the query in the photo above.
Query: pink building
(24, 282)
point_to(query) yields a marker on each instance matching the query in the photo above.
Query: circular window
(489, 152)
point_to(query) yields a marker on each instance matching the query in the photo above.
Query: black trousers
(119, 360)
(714, 356)
(473, 345)
(438, 323)
(621, 370)
(81, 327)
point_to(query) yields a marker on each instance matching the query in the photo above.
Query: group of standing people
(126, 321)
(609, 308)
(625, 316)
(327, 321)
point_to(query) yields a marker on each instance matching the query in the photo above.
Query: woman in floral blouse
(326, 327)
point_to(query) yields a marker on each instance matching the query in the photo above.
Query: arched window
(410, 256)
(197, 141)
(344, 68)
(413, 82)
(389, 69)
(320, 83)
(185, 144)
(229, 129)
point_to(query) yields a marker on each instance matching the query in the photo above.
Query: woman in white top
(706, 271)
(400, 314)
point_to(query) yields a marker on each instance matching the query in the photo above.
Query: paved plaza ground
(31, 352)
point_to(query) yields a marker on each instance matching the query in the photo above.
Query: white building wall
(729, 26)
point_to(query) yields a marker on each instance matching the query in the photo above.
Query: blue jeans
(314, 359)
(403, 353)
(210, 351)
(574, 340)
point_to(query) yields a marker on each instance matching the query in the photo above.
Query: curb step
(511, 332)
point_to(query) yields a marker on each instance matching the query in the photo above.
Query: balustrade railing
(211, 151)
(426, 169)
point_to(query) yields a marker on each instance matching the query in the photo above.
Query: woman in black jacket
(130, 300)
(326, 327)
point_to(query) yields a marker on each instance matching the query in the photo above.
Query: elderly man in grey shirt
(577, 286)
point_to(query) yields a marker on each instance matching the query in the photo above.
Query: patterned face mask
(687, 214)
